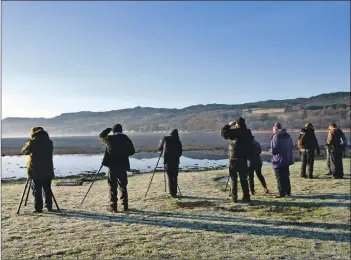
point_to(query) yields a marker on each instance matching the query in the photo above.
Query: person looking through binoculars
(240, 143)
(118, 148)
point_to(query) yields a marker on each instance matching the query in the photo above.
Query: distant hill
(292, 113)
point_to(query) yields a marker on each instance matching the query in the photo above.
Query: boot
(246, 199)
(112, 208)
(266, 190)
(125, 207)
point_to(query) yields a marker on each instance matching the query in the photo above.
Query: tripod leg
(53, 197)
(24, 192)
(150, 184)
(179, 191)
(226, 184)
(91, 185)
(29, 187)
(164, 177)
(153, 174)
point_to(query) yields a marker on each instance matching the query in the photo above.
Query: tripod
(29, 182)
(91, 184)
(164, 176)
(230, 189)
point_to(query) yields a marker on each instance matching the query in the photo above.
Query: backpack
(301, 140)
(256, 148)
(336, 140)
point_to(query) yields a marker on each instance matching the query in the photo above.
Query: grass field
(269, 111)
(203, 224)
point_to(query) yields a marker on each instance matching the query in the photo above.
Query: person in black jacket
(337, 143)
(240, 140)
(118, 148)
(255, 165)
(307, 144)
(172, 148)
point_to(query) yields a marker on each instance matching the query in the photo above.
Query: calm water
(151, 140)
(14, 166)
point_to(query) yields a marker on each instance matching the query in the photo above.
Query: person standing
(255, 165)
(172, 149)
(118, 148)
(307, 144)
(282, 158)
(336, 143)
(40, 167)
(240, 140)
(327, 150)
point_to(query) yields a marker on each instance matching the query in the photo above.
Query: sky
(60, 57)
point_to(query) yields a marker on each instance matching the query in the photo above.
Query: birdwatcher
(172, 149)
(240, 139)
(255, 165)
(118, 149)
(40, 167)
(282, 158)
(307, 144)
(336, 143)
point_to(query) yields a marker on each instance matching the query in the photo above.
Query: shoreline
(267, 131)
(209, 150)
(86, 175)
(16, 151)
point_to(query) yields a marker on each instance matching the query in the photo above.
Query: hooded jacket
(172, 148)
(255, 157)
(40, 149)
(118, 148)
(281, 149)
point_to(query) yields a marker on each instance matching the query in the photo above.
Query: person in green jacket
(40, 167)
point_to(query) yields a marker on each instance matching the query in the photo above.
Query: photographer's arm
(228, 133)
(103, 136)
(160, 146)
(27, 148)
(131, 147)
(275, 146)
(316, 144)
(180, 149)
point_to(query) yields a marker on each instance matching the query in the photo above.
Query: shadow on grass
(328, 196)
(301, 204)
(245, 220)
(270, 228)
(200, 198)
(326, 177)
